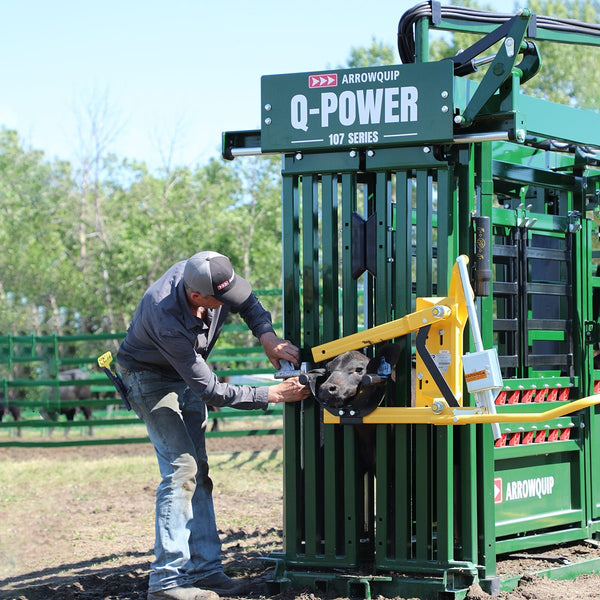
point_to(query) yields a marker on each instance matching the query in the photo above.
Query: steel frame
(429, 521)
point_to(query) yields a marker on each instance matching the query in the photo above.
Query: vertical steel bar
(424, 251)
(353, 485)
(383, 279)
(393, 479)
(402, 471)
(422, 40)
(481, 173)
(313, 493)
(445, 495)
(330, 318)
(424, 492)
(425, 469)
(330, 252)
(293, 479)
(446, 245)
(349, 298)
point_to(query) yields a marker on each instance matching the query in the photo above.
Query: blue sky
(175, 72)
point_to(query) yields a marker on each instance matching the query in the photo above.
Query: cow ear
(313, 378)
(335, 363)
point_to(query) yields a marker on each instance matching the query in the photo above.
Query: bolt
(445, 109)
(437, 407)
(444, 94)
(520, 135)
(427, 149)
(299, 156)
(352, 153)
(458, 119)
(510, 47)
(267, 107)
(268, 121)
(370, 153)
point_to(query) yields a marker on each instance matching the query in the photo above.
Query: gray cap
(211, 274)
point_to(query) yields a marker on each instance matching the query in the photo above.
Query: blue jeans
(187, 546)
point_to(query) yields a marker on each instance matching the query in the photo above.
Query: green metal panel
(539, 491)
(560, 122)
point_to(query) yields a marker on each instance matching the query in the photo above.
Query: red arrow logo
(497, 490)
(322, 81)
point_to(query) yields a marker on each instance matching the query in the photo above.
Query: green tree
(35, 225)
(568, 73)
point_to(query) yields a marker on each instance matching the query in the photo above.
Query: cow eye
(359, 369)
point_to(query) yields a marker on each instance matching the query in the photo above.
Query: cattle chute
(390, 173)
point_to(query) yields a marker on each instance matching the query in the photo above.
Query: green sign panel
(369, 107)
(543, 491)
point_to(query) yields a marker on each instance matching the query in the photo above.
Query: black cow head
(352, 384)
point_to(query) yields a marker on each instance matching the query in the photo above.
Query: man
(169, 384)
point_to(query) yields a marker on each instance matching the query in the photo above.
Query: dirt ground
(54, 565)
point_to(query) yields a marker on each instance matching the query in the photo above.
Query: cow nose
(328, 392)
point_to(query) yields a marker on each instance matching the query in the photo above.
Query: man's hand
(275, 348)
(290, 390)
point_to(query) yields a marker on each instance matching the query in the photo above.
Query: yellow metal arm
(438, 310)
(387, 331)
(442, 414)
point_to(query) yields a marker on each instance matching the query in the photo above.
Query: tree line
(82, 242)
(80, 249)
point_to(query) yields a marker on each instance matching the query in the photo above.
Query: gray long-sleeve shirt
(167, 338)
